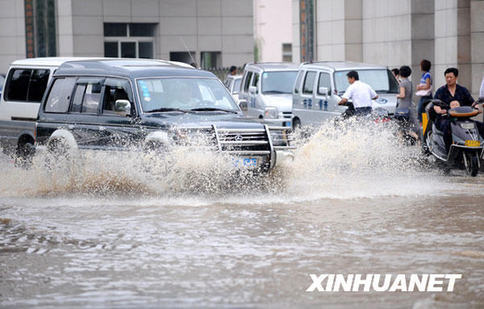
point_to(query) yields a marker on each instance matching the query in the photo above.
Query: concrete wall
(12, 32)
(477, 45)
(452, 39)
(199, 25)
(330, 30)
(387, 32)
(296, 41)
(273, 27)
(196, 25)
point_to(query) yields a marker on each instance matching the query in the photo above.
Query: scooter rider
(451, 91)
(361, 94)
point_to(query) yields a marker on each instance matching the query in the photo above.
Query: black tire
(472, 166)
(426, 143)
(296, 124)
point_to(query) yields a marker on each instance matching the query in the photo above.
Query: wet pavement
(98, 236)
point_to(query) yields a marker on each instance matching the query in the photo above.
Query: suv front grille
(243, 141)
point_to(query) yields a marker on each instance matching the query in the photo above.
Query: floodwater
(107, 231)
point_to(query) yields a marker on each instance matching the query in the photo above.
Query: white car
(267, 88)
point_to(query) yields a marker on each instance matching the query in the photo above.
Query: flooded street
(102, 237)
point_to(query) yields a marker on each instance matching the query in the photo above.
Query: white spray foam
(350, 160)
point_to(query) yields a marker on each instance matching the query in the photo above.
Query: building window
(211, 60)
(287, 52)
(186, 57)
(123, 40)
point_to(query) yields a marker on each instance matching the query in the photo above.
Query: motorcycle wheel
(426, 143)
(471, 162)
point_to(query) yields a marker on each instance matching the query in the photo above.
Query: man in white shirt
(360, 93)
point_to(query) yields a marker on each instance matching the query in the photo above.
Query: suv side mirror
(324, 91)
(122, 107)
(252, 89)
(243, 105)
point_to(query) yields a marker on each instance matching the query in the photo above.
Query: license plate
(470, 143)
(243, 162)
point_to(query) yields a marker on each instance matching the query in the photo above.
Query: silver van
(319, 87)
(267, 88)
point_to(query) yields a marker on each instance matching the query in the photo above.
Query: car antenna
(189, 53)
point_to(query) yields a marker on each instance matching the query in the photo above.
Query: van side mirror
(122, 107)
(252, 89)
(324, 91)
(243, 105)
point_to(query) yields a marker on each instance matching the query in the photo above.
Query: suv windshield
(381, 80)
(278, 82)
(168, 94)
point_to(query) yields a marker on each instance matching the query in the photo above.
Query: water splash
(346, 160)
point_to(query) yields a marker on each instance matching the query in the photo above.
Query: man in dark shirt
(451, 91)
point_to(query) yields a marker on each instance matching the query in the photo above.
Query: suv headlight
(271, 113)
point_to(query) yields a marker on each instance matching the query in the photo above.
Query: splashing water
(349, 160)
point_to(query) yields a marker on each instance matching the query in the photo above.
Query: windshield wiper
(211, 109)
(275, 91)
(166, 109)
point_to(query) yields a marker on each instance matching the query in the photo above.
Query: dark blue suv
(115, 104)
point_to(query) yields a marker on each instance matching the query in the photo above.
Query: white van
(320, 85)
(25, 85)
(267, 88)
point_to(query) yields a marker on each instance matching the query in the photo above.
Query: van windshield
(159, 94)
(278, 82)
(381, 80)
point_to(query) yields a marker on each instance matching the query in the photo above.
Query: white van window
(278, 82)
(60, 95)
(255, 80)
(38, 84)
(247, 81)
(324, 81)
(309, 82)
(26, 85)
(379, 79)
(298, 81)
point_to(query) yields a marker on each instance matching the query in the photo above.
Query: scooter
(467, 145)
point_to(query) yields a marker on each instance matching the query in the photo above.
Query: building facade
(209, 33)
(273, 30)
(397, 32)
